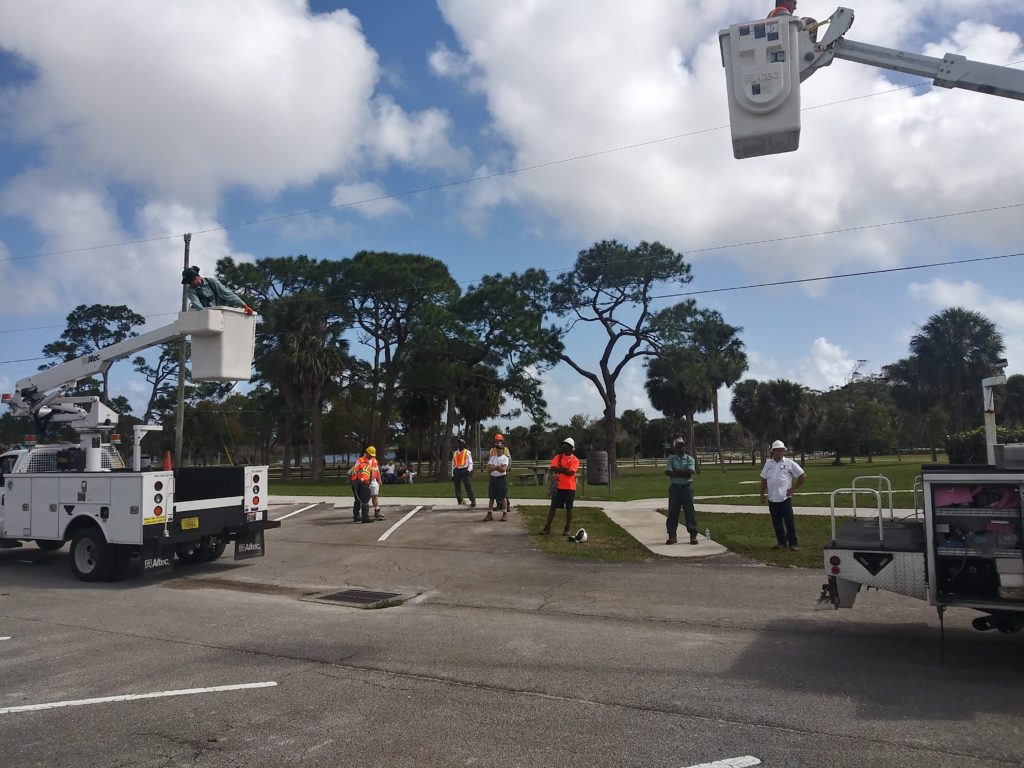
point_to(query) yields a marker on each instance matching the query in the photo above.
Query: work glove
(248, 309)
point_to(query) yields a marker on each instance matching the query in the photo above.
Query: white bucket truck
(83, 493)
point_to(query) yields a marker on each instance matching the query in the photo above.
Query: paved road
(502, 656)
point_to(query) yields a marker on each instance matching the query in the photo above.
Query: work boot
(366, 517)
(355, 518)
(378, 516)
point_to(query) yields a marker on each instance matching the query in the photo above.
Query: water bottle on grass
(707, 534)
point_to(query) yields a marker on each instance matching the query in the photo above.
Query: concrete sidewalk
(640, 518)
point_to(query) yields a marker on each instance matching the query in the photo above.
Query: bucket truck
(83, 493)
(961, 548)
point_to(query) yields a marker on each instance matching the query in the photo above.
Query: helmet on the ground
(581, 536)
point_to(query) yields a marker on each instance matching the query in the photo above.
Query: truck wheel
(91, 557)
(982, 623)
(49, 545)
(214, 548)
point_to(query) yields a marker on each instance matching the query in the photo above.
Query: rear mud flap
(156, 561)
(249, 545)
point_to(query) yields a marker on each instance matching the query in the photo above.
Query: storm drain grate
(357, 597)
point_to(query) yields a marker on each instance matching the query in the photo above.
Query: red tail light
(255, 501)
(834, 560)
(158, 511)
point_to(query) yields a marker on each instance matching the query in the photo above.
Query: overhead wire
(435, 187)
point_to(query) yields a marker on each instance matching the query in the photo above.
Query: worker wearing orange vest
(783, 8)
(360, 477)
(462, 470)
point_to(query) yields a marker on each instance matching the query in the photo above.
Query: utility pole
(179, 417)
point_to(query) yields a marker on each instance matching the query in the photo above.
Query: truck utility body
(963, 549)
(84, 494)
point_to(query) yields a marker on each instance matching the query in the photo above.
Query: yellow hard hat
(371, 451)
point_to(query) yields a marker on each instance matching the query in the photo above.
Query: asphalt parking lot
(496, 655)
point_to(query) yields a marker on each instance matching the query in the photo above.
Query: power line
(797, 281)
(776, 283)
(435, 187)
(707, 249)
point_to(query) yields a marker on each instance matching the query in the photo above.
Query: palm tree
(955, 350)
(770, 408)
(721, 352)
(678, 386)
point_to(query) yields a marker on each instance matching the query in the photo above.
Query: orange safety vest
(361, 471)
(780, 11)
(460, 459)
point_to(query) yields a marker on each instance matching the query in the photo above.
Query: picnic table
(533, 474)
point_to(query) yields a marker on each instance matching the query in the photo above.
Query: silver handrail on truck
(882, 479)
(918, 495)
(854, 492)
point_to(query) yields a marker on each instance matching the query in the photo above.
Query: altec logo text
(760, 77)
(250, 548)
(157, 562)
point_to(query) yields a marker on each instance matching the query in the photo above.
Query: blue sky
(132, 121)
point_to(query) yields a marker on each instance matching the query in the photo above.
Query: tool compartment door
(45, 510)
(17, 508)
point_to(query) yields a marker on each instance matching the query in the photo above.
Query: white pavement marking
(733, 762)
(134, 696)
(6, 637)
(394, 527)
(292, 514)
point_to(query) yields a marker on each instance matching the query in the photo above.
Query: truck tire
(49, 545)
(214, 549)
(92, 559)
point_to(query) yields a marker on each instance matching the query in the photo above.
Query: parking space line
(6, 637)
(733, 762)
(292, 514)
(134, 697)
(394, 527)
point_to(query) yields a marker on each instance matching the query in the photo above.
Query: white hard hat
(570, 442)
(580, 537)
(778, 444)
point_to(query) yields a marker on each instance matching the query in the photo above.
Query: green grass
(752, 536)
(605, 539)
(648, 482)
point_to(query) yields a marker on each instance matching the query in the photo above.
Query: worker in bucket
(203, 292)
(783, 8)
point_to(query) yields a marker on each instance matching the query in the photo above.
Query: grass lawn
(605, 539)
(749, 535)
(752, 536)
(737, 485)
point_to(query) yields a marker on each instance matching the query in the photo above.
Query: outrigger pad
(249, 545)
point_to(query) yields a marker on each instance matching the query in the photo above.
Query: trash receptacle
(597, 467)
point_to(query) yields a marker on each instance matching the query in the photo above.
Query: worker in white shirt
(498, 462)
(777, 482)
(462, 469)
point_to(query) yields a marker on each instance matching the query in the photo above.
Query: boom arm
(222, 350)
(951, 71)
